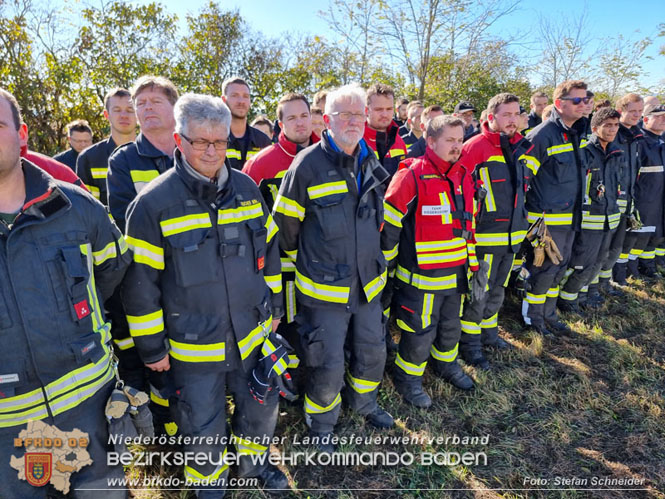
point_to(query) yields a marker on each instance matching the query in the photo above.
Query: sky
(608, 19)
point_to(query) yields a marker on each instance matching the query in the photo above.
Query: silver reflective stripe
(74, 379)
(79, 395)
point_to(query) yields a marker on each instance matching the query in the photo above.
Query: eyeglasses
(346, 116)
(577, 100)
(203, 144)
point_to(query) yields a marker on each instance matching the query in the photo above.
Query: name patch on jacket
(436, 210)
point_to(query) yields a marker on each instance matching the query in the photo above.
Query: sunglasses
(577, 100)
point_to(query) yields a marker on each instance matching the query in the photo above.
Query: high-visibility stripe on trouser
(290, 300)
(660, 251)
(314, 408)
(490, 321)
(605, 274)
(448, 356)
(469, 327)
(564, 295)
(635, 254)
(553, 292)
(246, 446)
(361, 385)
(193, 477)
(410, 368)
(648, 255)
(426, 314)
(531, 300)
(623, 258)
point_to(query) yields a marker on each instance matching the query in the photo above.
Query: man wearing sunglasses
(555, 195)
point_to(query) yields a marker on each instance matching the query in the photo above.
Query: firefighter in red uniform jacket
(267, 169)
(502, 160)
(381, 132)
(428, 238)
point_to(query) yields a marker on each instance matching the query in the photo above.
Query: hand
(160, 365)
(275, 324)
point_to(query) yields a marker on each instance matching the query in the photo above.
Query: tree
(620, 66)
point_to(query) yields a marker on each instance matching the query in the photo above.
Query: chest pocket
(328, 206)
(194, 247)
(68, 268)
(436, 207)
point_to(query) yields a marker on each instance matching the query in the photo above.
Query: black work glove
(271, 371)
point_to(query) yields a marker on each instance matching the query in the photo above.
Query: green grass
(591, 404)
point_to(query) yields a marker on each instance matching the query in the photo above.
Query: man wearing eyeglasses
(330, 213)
(79, 136)
(555, 195)
(203, 295)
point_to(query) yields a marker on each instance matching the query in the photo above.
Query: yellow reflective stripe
(158, 400)
(186, 223)
(531, 163)
(81, 393)
(490, 322)
(294, 361)
(375, 286)
(390, 254)
(146, 253)
(290, 301)
(192, 476)
(255, 338)
(321, 190)
(324, 292)
(274, 282)
(144, 325)
(234, 215)
(99, 172)
(535, 299)
(553, 292)
(587, 189)
(403, 325)
(313, 408)
(426, 314)
(593, 222)
(124, 343)
(397, 152)
(292, 254)
(361, 385)
(287, 265)
(444, 257)
(245, 446)
(98, 323)
(491, 238)
(79, 378)
(104, 254)
(21, 418)
(392, 215)
(289, 208)
(558, 149)
(490, 203)
(143, 176)
(651, 169)
(271, 227)
(94, 191)
(190, 352)
(551, 218)
(233, 154)
(448, 356)
(408, 367)
(22, 401)
(469, 327)
(426, 283)
(451, 244)
(447, 217)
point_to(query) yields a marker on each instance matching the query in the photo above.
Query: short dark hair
(497, 100)
(563, 89)
(436, 126)
(290, 97)
(13, 105)
(78, 126)
(234, 80)
(316, 110)
(150, 82)
(424, 116)
(401, 101)
(262, 120)
(115, 92)
(380, 89)
(589, 93)
(602, 103)
(604, 114)
(538, 95)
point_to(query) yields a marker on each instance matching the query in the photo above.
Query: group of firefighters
(208, 260)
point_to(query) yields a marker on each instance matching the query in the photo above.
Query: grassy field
(589, 405)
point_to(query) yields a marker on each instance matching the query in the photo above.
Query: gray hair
(201, 109)
(352, 92)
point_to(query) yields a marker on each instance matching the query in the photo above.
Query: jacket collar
(291, 148)
(43, 197)
(648, 134)
(441, 165)
(146, 148)
(578, 128)
(370, 134)
(495, 137)
(371, 168)
(626, 134)
(202, 189)
(612, 147)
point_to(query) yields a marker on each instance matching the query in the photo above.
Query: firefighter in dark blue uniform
(204, 292)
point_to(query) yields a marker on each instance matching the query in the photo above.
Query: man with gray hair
(204, 294)
(330, 213)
